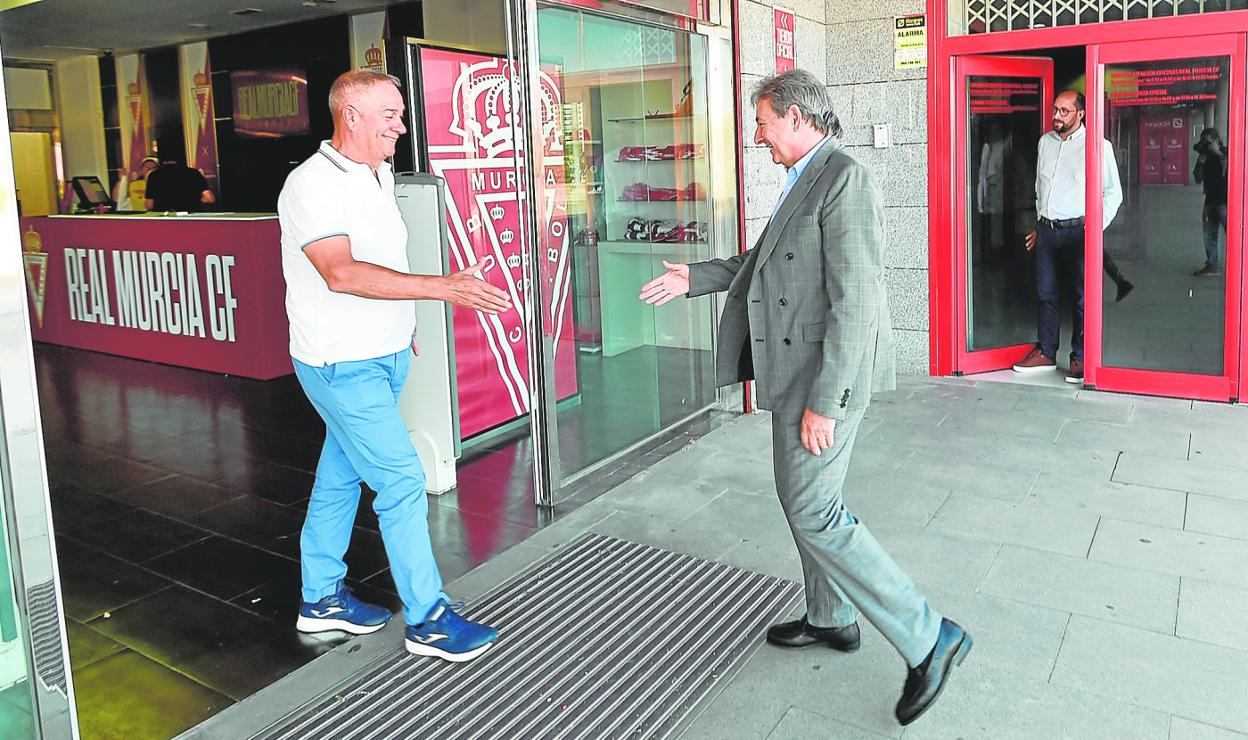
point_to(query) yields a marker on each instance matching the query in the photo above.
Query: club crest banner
(470, 141)
(368, 41)
(134, 115)
(198, 114)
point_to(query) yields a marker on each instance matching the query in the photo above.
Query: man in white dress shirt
(1058, 238)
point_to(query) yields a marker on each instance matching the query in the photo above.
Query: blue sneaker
(449, 636)
(341, 611)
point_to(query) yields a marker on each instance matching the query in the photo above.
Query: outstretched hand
(674, 282)
(467, 288)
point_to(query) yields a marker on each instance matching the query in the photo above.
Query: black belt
(1066, 223)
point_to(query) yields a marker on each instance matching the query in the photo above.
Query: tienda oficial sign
(786, 23)
(269, 103)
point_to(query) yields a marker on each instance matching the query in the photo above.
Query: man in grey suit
(807, 317)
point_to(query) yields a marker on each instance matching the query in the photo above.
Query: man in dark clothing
(1211, 172)
(175, 187)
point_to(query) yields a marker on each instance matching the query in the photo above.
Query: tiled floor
(1093, 543)
(178, 497)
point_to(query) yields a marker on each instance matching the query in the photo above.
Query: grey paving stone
(1127, 595)
(743, 515)
(859, 689)
(939, 469)
(988, 422)
(1058, 491)
(1213, 613)
(1007, 634)
(1154, 671)
(1191, 476)
(1221, 516)
(936, 560)
(1016, 524)
(1220, 448)
(1003, 706)
(1163, 550)
(803, 724)
(1186, 729)
(895, 497)
(776, 556)
(738, 711)
(665, 498)
(1124, 438)
(667, 534)
(1093, 407)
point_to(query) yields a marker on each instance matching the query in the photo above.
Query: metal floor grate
(604, 639)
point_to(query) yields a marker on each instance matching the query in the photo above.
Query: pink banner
(470, 142)
(269, 103)
(133, 115)
(198, 112)
(204, 294)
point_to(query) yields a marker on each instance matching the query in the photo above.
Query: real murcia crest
(35, 261)
(483, 116)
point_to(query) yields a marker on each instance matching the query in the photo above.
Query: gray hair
(799, 87)
(350, 84)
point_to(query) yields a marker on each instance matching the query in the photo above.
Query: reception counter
(203, 291)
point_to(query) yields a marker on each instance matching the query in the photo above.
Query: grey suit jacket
(806, 314)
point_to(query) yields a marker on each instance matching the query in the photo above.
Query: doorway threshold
(1053, 379)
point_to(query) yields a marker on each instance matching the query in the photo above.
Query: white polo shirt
(330, 195)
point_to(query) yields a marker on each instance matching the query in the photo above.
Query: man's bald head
(350, 85)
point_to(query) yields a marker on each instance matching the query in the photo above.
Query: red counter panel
(202, 293)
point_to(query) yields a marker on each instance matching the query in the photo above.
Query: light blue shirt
(796, 171)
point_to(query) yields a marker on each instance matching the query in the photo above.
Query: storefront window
(635, 138)
(1168, 124)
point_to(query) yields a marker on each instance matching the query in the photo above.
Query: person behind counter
(175, 187)
(129, 194)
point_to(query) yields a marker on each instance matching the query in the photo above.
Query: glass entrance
(630, 181)
(1001, 112)
(1172, 110)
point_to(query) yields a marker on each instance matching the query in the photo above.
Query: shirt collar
(1076, 136)
(344, 163)
(800, 166)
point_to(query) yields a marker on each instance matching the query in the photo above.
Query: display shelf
(649, 119)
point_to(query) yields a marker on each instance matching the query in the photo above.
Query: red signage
(204, 294)
(269, 103)
(786, 25)
(470, 141)
(1163, 149)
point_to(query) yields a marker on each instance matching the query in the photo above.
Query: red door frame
(942, 133)
(988, 66)
(1206, 387)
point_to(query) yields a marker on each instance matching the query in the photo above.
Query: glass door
(1000, 110)
(1173, 110)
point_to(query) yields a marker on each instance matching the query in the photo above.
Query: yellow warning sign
(909, 41)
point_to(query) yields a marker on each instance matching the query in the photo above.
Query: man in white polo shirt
(348, 296)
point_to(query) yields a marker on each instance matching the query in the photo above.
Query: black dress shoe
(799, 633)
(924, 684)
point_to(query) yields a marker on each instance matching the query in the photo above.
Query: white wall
(480, 24)
(82, 117)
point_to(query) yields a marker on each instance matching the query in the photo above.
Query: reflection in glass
(1155, 114)
(636, 159)
(1002, 132)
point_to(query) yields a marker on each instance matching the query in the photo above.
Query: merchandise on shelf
(640, 191)
(664, 230)
(661, 153)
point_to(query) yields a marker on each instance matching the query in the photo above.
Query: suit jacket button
(788, 256)
(787, 341)
(784, 302)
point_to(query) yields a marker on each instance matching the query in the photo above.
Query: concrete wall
(849, 44)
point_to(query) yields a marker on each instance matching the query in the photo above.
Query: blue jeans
(1213, 217)
(1059, 259)
(366, 440)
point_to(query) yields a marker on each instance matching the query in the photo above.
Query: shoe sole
(417, 648)
(963, 649)
(1072, 379)
(1037, 369)
(311, 625)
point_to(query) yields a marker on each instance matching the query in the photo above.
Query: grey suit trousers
(842, 563)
